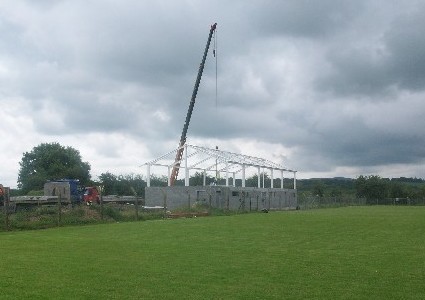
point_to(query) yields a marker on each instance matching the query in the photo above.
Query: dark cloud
(357, 72)
(302, 19)
(405, 44)
(383, 63)
(336, 84)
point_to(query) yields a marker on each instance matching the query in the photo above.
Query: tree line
(52, 161)
(370, 187)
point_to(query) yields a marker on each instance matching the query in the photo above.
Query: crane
(180, 149)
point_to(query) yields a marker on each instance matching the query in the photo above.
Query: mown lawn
(343, 253)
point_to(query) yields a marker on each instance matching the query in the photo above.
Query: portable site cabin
(68, 189)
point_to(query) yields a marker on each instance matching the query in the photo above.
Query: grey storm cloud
(338, 84)
(392, 60)
(303, 19)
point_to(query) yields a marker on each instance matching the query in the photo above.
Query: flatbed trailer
(32, 201)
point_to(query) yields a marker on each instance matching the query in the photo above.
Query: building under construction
(225, 165)
(228, 169)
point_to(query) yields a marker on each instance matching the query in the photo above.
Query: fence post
(136, 203)
(136, 206)
(6, 208)
(59, 204)
(165, 202)
(228, 199)
(101, 202)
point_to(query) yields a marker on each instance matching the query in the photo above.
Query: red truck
(91, 195)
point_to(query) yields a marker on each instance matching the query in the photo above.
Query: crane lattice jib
(180, 149)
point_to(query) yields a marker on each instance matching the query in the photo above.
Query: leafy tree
(50, 161)
(159, 180)
(360, 185)
(253, 180)
(336, 192)
(319, 189)
(372, 187)
(108, 180)
(398, 190)
(123, 185)
(197, 179)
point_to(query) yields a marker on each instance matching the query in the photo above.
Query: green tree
(123, 185)
(50, 161)
(108, 180)
(253, 180)
(159, 180)
(336, 192)
(360, 185)
(197, 179)
(372, 187)
(319, 189)
(398, 190)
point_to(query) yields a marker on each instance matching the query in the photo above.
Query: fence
(37, 213)
(312, 202)
(15, 215)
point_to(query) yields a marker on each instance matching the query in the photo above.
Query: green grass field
(342, 253)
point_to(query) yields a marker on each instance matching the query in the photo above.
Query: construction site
(229, 170)
(225, 165)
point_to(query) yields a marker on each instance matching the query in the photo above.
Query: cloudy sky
(328, 88)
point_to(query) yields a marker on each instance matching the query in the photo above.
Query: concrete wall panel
(232, 198)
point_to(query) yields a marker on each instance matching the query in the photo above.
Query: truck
(3, 193)
(65, 191)
(69, 190)
(91, 195)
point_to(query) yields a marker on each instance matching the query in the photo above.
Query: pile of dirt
(176, 215)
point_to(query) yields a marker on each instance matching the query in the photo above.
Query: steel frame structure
(214, 160)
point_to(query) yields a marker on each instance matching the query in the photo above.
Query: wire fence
(36, 215)
(314, 202)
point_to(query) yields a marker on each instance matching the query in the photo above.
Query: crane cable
(216, 62)
(217, 175)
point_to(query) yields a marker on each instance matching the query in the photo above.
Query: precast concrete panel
(221, 197)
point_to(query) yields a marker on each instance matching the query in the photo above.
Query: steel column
(169, 178)
(243, 175)
(148, 177)
(186, 177)
(281, 179)
(227, 173)
(271, 178)
(259, 179)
